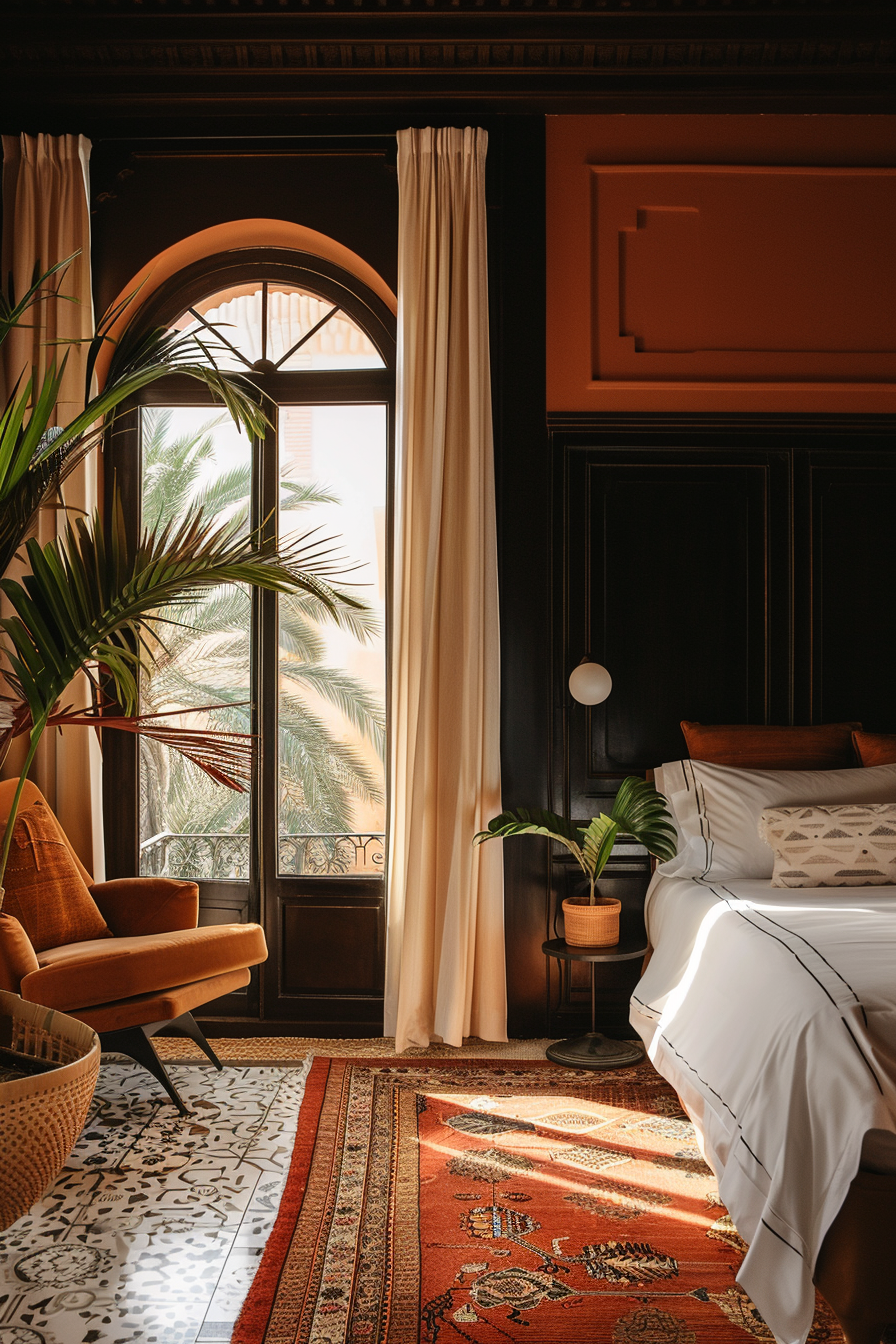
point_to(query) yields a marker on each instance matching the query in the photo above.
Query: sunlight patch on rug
(472, 1200)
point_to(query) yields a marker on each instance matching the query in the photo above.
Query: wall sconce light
(589, 683)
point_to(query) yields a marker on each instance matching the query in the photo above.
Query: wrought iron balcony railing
(222, 857)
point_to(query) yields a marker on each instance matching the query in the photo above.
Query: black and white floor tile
(154, 1230)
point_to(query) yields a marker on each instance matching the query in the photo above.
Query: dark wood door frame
(278, 902)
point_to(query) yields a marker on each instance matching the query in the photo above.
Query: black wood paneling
(352, 968)
(724, 569)
(845, 511)
(522, 468)
(673, 550)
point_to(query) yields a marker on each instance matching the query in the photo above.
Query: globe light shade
(589, 683)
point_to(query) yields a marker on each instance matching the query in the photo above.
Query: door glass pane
(333, 673)
(287, 327)
(337, 342)
(189, 825)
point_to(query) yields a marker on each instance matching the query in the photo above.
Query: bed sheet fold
(772, 1012)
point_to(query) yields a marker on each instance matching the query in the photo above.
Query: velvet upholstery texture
(162, 1006)
(153, 964)
(822, 746)
(875, 748)
(17, 956)
(44, 889)
(90, 973)
(134, 906)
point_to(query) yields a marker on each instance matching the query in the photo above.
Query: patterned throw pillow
(44, 890)
(842, 845)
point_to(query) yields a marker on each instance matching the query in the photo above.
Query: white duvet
(772, 1012)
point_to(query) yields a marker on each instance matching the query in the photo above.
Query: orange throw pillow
(822, 746)
(44, 890)
(875, 748)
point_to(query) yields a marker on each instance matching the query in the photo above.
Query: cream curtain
(46, 218)
(445, 950)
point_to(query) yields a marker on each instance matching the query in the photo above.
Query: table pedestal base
(595, 1051)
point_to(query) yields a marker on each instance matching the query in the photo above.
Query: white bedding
(772, 1013)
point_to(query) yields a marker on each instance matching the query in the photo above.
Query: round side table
(594, 1050)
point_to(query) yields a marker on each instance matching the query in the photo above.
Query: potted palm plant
(92, 598)
(639, 811)
(92, 601)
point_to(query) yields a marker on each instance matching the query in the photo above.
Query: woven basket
(41, 1115)
(591, 925)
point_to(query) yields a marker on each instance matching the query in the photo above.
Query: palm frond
(359, 620)
(296, 495)
(171, 463)
(91, 595)
(12, 310)
(328, 769)
(360, 706)
(230, 488)
(32, 462)
(19, 509)
(299, 637)
(640, 811)
(23, 426)
(225, 756)
(140, 358)
(535, 821)
(174, 793)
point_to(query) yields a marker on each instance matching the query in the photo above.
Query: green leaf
(12, 311)
(597, 846)
(641, 812)
(92, 595)
(638, 811)
(533, 821)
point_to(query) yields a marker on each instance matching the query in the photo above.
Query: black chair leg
(135, 1042)
(186, 1025)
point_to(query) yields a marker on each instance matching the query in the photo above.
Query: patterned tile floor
(154, 1230)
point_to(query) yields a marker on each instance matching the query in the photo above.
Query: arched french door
(302, 851)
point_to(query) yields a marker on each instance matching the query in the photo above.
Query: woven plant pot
(591, 925)
(41, 1115)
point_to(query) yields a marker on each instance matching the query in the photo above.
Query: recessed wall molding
(720, 286)
(745, 274)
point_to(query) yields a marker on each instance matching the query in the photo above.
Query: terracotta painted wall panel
(740, 286)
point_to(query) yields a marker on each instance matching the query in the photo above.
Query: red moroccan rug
(466, 1199)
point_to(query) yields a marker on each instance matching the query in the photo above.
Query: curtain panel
(445, 974)
(46, 218)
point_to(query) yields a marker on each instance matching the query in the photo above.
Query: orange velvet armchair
(146, 965)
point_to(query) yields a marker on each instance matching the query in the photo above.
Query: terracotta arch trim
(236, 236)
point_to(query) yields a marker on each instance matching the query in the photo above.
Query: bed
(772, 1011)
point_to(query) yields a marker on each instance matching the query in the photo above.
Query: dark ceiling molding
(172, 56)
(803, 10)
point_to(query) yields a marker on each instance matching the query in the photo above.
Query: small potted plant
(638, 811)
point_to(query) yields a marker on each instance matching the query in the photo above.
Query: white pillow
(716, 810)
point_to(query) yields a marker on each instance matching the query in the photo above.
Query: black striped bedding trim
(707, 886)
(787, 1243)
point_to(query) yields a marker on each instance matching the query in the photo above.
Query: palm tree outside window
(321, 351)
